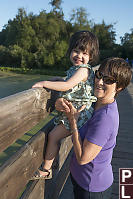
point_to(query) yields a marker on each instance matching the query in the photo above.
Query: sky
(117, 12)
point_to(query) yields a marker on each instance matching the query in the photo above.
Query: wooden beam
(54, 186)
(61, 178)
(60, 168)
(20, 112)
(35, 190)
(15, 173)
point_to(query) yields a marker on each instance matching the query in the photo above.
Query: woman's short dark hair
(85, 40)
(119, 69)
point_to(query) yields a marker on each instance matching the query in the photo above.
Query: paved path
(123, 152)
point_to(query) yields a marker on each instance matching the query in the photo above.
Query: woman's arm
(80, 75)
(85, 151)
(88, 151)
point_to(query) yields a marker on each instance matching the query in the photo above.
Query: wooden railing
(18, 114)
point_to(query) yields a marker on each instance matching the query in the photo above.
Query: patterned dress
(79, 95)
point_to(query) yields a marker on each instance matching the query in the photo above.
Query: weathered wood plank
(35, 190)
(20, 112)
(60, 170)
(61, 178)
(15, 173)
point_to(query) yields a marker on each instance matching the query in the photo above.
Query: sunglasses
(106, 79)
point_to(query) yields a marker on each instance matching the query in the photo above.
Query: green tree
(5, 57)
(105, 34)
(79, 19)
(56, 4)
(127, 38)
(41, 41)
(127, 45)
(57, 10)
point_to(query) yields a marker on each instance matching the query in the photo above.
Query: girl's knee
(57, 134)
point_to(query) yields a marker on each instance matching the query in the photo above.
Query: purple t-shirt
(101, 129)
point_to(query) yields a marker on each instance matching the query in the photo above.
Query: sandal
(38, 176)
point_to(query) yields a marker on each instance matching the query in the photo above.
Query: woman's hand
(73, 114)
(61, 105)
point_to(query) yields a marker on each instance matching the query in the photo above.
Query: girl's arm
(80, 75)
(85, 151)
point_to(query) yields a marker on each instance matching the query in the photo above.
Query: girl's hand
(61, 105)
(38, 85)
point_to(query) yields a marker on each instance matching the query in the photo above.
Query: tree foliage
(79, 19)
(41, 41)
(56, 4)
(127, 45)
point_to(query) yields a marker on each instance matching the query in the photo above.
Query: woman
(90, 167)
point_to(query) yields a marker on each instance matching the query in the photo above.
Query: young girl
(77, 88)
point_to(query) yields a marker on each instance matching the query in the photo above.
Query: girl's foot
(42, 174)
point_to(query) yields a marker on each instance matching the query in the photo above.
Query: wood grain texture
(21, 112)
(16, 171)
(35, 190)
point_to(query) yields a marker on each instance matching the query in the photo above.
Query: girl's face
(103, 91)
(79, 57)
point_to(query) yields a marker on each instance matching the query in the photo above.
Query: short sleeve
(99, 129)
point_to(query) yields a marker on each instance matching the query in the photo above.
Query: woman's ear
(118, 90)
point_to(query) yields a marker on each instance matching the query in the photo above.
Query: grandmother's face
(105, 88)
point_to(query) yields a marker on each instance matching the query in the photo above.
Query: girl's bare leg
(57, 134)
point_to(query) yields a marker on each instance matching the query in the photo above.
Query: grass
(29, 71)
